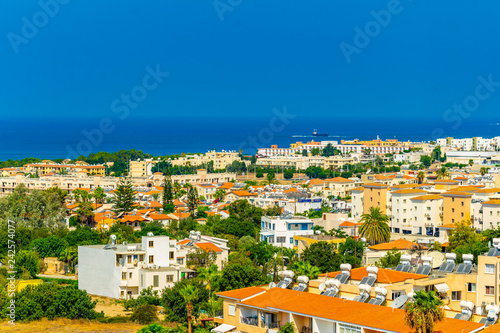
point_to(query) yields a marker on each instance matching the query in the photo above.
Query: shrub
(144, 314)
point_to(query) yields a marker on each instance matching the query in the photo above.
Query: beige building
(141, 168)
(220, 159)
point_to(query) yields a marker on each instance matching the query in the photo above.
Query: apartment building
(220, 159)
(279, 231)
(123, 270)
(427, 213)
(375, 195)
(70, 183)
(260, 310)
(456, 206)
(401, 210)
(338, 186)
(140, 169)
(49, 167)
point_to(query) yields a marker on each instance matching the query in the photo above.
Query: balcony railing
(271, 325)
(305, 329)
(250, 321)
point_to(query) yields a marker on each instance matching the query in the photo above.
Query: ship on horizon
(315, 133)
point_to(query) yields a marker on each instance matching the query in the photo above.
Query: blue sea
(66, 138)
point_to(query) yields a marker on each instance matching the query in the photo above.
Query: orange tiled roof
(184, 241)
(208, 247)
(372, 317)
(409, 191)
(178, 203)
(181, 216)
(227, 186)
(339, 180)
(347, 224)
(159, 217)
(489, 190)
(428, 197)
(374, 185)
(243, 193)
(72, 206)
(360, 188)
(448, 226)
(132, 218)
(453, 193)
(241, 293)
(316, 181)
(155, 204)
(400, 244)
(492, 202)
(388, 276)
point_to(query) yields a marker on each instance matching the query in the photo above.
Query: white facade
(279, 231)
(123, 270)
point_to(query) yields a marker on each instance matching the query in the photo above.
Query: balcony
(274, 325)
(252, 321)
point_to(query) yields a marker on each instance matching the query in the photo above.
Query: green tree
(442, 173)
(423, 313)
(245, 242)
(426, 160)
(192, 199)
(315, 151)
(391, 259)
(27, 260)
(304, 152)
(189, 293)
(99, 195)
(322, 255)
(305, 268)
(375, 227)
(220, 194)
(287, 328)
(421, 177)
(241, 274)
(124, 197)
(51, 246)
(464, 239)
(60, 193)
(483, 171)
(271, 176)
(85, 214)
(176, 306)
(209, 275)
(168, 194)
(288, 174)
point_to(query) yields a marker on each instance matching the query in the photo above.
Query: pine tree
(168, 194)
(124, 197)
(192, 199)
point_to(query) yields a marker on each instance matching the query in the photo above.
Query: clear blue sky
(263, 54)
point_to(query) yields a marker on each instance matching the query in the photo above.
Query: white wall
(97, 272)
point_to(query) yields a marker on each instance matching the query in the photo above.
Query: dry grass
(67, 325)
(110, 307)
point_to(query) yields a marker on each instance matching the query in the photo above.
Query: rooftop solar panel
(399, 267)
(427, 270)
(460, 269)
(468, 268)
(406, 268)
(420, 270)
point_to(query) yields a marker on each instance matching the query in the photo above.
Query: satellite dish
(322, 286)
(150, 234)
(113, 237)
(272, 285)
(437, 258)
(399, 302)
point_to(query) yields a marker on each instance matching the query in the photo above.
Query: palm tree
(305, 268)
(99, 195)
(189, 293)
(421, 177)
(209, 275)
(443, 173)
(483, 171)
(423, 313)
(375, 227)
(177, 187)
(220, 194)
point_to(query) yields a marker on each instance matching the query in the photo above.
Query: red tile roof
(384, 275)
(208, 247)
(400, 244)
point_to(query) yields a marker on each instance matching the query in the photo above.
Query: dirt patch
(67, 325)
(110, 307)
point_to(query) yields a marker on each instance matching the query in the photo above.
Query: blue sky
(262, 55)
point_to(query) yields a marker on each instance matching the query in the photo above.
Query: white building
(279, 231)
(123, 270)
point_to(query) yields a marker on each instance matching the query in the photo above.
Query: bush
(144, 314)
(153, 328)
(54, 301)
(114, 320)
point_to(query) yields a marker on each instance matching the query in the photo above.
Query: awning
(442, 287)
(223, 328)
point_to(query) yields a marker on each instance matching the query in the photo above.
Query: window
(349, 329)
(453, 210)
(124, 275)
(155, 280)
(471, 287)
(151, 243)
(490, 290)
(296, 243)
(130, 275)
(404, 201)
(170, 278)
(180, 261)
(129, 259)
(141, 257)
(428, 208)
(280, 240)
(489, 269)
(171, 255)
(291, 240)
(232, 309)
(462, 203)
(456, 295)
(270, 240)
(151, 259)
(396, 294)
(462, 214)
(142, 280)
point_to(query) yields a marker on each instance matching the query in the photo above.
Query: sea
(69, 138)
